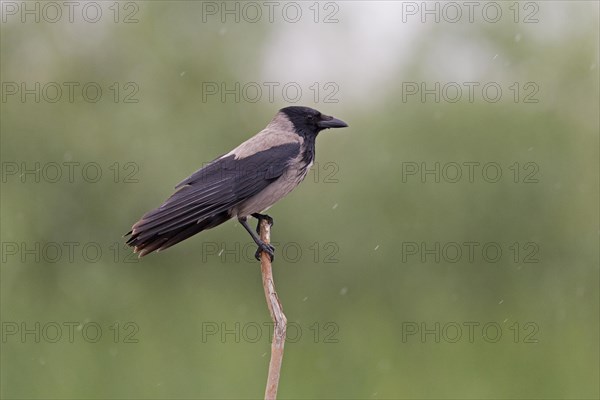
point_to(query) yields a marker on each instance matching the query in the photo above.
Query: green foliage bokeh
(352, 280)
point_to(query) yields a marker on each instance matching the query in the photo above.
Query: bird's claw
(260, 217)
(267, 248)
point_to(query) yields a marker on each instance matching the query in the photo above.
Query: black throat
(308, 148)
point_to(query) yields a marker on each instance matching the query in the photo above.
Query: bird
(245, 182)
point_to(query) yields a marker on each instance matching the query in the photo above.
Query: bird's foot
(260, 217)
(267, 248)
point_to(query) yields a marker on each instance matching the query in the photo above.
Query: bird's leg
(260, 217)
(262, 246)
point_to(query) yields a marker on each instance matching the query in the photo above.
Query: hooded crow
(246, 181)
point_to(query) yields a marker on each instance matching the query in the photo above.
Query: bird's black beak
(327, 122)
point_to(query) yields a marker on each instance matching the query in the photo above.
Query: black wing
(204, 199)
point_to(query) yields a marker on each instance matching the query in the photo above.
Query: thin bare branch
(276, 311)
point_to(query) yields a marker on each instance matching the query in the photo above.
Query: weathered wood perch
(276, 311)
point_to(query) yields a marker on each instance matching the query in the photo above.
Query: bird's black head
(308, 121)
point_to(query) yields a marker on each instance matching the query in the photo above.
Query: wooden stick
(276, 311)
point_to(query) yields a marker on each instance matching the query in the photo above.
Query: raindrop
(344, 291)
(384, 365)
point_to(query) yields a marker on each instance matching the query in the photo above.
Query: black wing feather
(203, 200)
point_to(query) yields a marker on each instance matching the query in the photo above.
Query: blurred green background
(379, 301)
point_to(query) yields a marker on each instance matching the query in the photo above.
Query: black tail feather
(145, 241)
